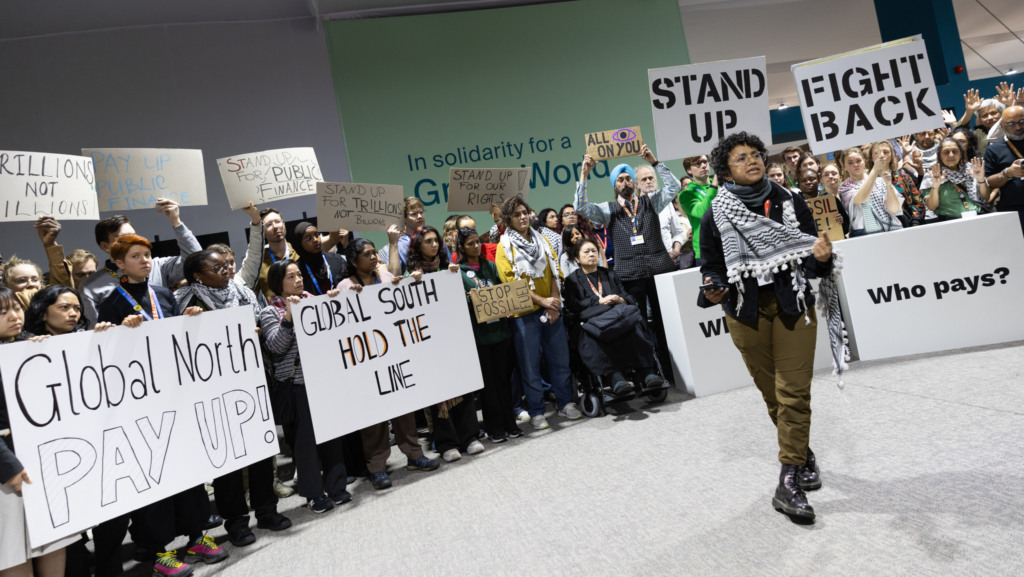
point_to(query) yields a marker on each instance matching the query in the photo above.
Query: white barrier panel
(703, 355)
(370, 356)
(933, 288)
(108, 422)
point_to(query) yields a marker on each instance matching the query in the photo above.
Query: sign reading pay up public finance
(867, 95)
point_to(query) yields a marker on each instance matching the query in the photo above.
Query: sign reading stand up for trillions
(867, 95)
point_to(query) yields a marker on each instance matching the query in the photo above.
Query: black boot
(810, 476)
(789, 497)
(619, 385)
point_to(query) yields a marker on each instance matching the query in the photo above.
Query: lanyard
(316, 283)
(599, 288)
(767, 207)
(1014, 148)
(359, 279)
(632, 215)
(287, 253)
(111, 272)
(153, 303)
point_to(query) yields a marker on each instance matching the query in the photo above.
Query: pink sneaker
(205, 550)
(168, 564)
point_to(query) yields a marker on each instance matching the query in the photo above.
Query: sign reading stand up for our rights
(867, 95)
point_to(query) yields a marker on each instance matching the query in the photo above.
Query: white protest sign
(133, 178)
(951, 296)
(695, 106)
(34, 184)
(703, 355)
(475, 189)
(108, 422)
(357, 206)
(867, 95)
(373, 355)
(270, 175)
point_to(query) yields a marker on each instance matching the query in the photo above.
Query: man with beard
(675, 233)
(277, 247)
(635, 229)
(1003, 161)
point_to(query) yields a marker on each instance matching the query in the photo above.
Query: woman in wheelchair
(614, 337)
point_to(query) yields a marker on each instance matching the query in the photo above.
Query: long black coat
(633, 350)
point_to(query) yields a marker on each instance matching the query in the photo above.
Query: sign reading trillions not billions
(694, 106)
(476, 189)
(134, 178)
(373, 355)
(868, 95)
(34, 184)
(357, 206)
(270, 175)
(108, 422)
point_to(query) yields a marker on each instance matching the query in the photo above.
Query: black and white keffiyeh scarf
(885, 219)
(528, 256)
(230, 296)
(964, 182)
(757, 246)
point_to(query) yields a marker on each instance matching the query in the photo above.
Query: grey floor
(923, 473)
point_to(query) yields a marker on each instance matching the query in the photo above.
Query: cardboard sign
(953, 296)
(108, 422)
(34, 184)
(501, 300)
(825, 208)
(475, 189)
(270, 175)
(872, 94)
(614, 143)
(133, 178)
(695, 106)
(373, 355)
(356, 206)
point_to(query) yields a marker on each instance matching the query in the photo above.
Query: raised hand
(254, 213)
(588, 165)
(972, 102)
(48, 229)
(937, 176)
(394, 233)
(977, 169)
(949, 118)
(171, 209)
(1005, 94)
(647, 155)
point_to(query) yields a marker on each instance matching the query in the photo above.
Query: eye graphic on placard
(624, 135)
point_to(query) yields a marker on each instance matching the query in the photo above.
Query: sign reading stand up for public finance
(34, 184)
(867, 95)
(270, 175)
(695, 106)
(108, 422)
(134, 178)
(373, 355)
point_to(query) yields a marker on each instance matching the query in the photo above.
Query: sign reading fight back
(695, 106)
(867, 95)
(34, 184)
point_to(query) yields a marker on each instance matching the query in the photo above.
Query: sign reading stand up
(867, 95)
(270, 175)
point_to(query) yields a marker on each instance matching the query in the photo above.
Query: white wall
(223, 88)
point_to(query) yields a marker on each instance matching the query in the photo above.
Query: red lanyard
(631, 215)
(767, 207)
(1010, 144)
(599, 288)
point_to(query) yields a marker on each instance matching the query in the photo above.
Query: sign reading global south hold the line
(34, 184)
(357, 206)
(270, 175)
(134, 178)
(867, 95)
(614, 143)
(372, 355)
(694, 106)
(476, 189)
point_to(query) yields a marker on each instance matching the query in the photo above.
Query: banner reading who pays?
(108, 422)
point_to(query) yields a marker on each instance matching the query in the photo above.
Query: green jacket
(493, 332)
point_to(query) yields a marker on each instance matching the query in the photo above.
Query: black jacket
(116, 308)
(582, 302)
(9, 464)
(714, 261)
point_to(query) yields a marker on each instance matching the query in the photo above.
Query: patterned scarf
(755, 245)
(877, 201)
(529, 257)
(216, 299)
(964, 182)
(281, 304)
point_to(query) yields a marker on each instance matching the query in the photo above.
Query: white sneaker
(539, 422)
(569, 411)
(523, 416)
(475, 447)
(451, 455)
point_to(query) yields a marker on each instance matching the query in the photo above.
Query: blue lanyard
(158, 312)
(316, 283)
(273, 258)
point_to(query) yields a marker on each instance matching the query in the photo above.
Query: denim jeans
(534, 341)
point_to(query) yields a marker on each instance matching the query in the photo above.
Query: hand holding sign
(614, 143)
(16, 481)
(647, 155)
(588, 165)
(822, 248)
(171, 209)
(48, 229)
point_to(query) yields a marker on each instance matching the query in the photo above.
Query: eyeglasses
(217, 269)
(1014, 125)
(744, 159)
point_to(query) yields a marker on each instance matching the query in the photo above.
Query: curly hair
(509, 206)
(194, 264)
(352, 252)
(415, 259)
(951, 140)
(719, 157)
(35, 317)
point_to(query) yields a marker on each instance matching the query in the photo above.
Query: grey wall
(226, 89)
